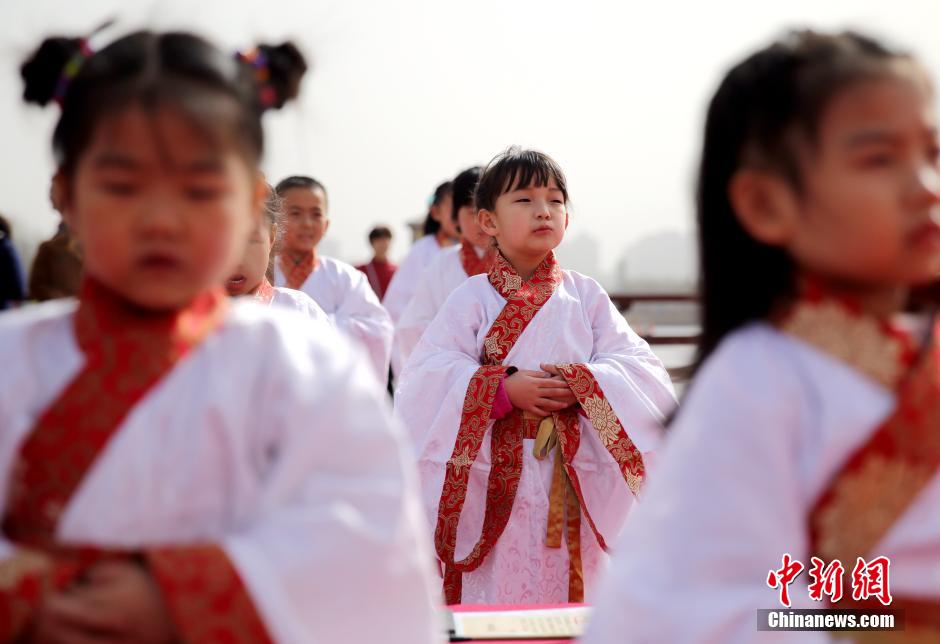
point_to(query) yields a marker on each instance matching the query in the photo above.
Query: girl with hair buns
(178, 466)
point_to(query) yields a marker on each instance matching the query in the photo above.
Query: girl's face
(869, 213)
(160, 213)
(306, 220)
(248, 275)
(470, 231)
(441, 213)
(528, 221)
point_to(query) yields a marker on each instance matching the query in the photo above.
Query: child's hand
(535, 392)
(119, 602)
(561, 390)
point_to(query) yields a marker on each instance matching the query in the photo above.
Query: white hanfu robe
(577, 324)
(268, 439)
(405, 280)
(442, 276)
(767, 423)
(345, 295)
(299, 302)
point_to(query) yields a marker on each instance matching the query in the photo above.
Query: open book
(567, 622)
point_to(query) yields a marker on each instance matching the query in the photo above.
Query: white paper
(567, 622)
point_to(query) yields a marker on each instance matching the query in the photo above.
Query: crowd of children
(198, 447)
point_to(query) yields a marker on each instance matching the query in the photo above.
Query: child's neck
(443, 239)
(296, 254)
(878, 301)
(523, 263)
(480, 251)
(380, 258)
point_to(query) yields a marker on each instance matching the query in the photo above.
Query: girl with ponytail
(809, 431)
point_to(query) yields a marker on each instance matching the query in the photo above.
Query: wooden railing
(624, 301)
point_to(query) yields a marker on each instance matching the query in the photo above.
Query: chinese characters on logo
(869, 579)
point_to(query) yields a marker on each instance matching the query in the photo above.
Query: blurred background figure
(12, 287)
(439, 232)
(57, 268)
(380, 270)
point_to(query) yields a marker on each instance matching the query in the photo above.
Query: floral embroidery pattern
(879, 481)
(855, 339)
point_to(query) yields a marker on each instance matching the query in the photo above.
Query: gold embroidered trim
(867, 499)
(854, 339)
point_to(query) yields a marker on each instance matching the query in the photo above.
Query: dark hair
(517, 168)
(155, 70)
(273, 207)
(763, 104)
(431, 225)
(299, 181)
(380, 232)
(273, 216)
(5, 229)
(464, 185)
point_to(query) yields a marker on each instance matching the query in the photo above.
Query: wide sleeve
(632, 378)
(433, 385)
(721, 511)
(309, 308)
(361, 316)
(416, 317)
(337, 549)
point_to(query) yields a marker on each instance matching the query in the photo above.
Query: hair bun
(42, 71)
(286, 66)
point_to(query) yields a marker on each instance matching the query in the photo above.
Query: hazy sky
(405, 94)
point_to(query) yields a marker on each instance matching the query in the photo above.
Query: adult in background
(380, 270)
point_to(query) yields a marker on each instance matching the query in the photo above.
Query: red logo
(826, 581)
(869, 579)
(785, 576)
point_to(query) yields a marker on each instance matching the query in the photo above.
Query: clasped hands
(539, 392)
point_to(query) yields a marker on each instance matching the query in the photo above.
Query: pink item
(501, 404)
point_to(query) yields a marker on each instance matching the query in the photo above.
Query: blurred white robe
(268, 439)
(766, 425)
(442, 276)
(345, 295)
(405, 281)
(578, 324)
(299, 302)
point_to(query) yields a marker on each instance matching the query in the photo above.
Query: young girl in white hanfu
(439, 233)
(809, 434)
(472, 256)
(532, 405)
(176, 465)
